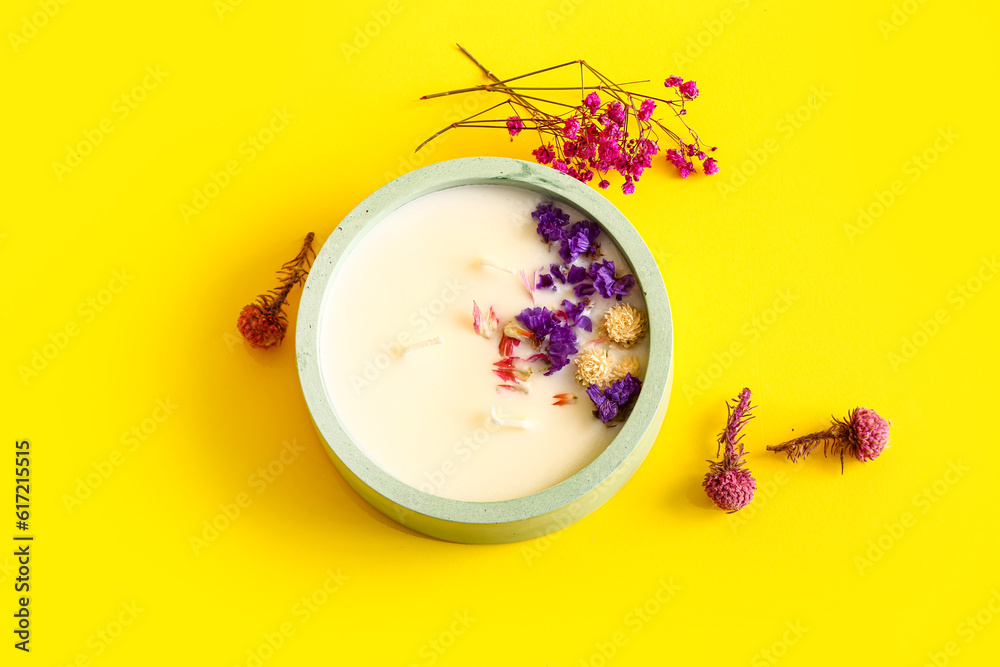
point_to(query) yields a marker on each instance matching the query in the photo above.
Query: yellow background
(821, 569)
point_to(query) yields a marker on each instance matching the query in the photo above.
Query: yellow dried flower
(625, 325)
(593, 367)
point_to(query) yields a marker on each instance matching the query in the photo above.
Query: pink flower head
(689, 89)
(614, 113)
(628, 187)
(593, 102)
(686, 170)
(604, 184)
(559, 165)
(571, 127)
(646, 109)
(544, 154)
(673, 81)
(730, 490)
(711, 166)
(870, 433)
(261, 327)
(675, 158)
(514, 125)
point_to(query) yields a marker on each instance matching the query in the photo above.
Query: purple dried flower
(577, 313)
(545, 281)
(731, 486)
(551, 222)
(576, 274)
(615, 402)
(863, 435)
(557, 273)
(562, 344)
(574, 245)
(538, 321)
(583, 289)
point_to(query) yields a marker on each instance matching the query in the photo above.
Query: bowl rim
(485, 171)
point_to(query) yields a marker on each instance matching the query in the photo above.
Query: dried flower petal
(484, 325)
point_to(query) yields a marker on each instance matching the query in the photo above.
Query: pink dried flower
(689, 89)
(571, 127)
(263, 323)
(544, 154)
(728, 483)
(646, 109)
(863, 435)
(711, 166)
(590, 138)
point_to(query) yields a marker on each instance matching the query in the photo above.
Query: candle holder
(537, 514)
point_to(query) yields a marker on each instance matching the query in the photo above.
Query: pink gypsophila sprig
(596, 136)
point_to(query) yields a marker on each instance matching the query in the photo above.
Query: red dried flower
(863, 435)
(728, 483)
(263, 323)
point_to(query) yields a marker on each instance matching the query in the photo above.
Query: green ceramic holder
(539, 513)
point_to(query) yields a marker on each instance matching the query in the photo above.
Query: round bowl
(530, 516)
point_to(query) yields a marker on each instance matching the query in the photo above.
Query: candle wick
(493, 265)
(406, 349)
(511, 423)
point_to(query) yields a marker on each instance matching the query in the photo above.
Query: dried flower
(605, 282)
(615, 402)
(625, 325)
(728, 483)
(593, 367)
(576, 313)
(263, 323)
(562, 345)
(588, 137)
(863, 435)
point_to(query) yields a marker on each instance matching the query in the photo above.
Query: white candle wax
(426, 414)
